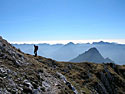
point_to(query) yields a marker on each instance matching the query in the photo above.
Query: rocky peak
(92, 55)
(92, 50)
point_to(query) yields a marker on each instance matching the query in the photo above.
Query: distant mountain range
(92, 55)
(61, 52)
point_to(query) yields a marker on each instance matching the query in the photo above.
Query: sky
(62, 20)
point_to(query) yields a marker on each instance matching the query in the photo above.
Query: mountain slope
(90, 78)
(22, 73)
(92, 55)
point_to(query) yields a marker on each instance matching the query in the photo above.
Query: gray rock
(36, 91)
(17, 63)
(106, 83)
(67, 83)
(3, 72)
(100, 88)
(4, 91)
(46, 85)
(28, 84)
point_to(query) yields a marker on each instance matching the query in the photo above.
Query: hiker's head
(35, 47)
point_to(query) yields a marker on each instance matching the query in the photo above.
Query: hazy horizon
(120, 41)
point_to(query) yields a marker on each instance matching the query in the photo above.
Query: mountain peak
(70, 43)
(93, 50)
(92, 55)
(102, 43)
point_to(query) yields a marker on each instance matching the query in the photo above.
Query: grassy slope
(86, 76)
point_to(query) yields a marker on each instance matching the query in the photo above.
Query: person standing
(35, 50)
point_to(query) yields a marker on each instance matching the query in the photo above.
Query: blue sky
(47, 20)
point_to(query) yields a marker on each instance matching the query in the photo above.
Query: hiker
(35, 50)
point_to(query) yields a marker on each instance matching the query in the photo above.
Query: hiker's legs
(35, 53)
